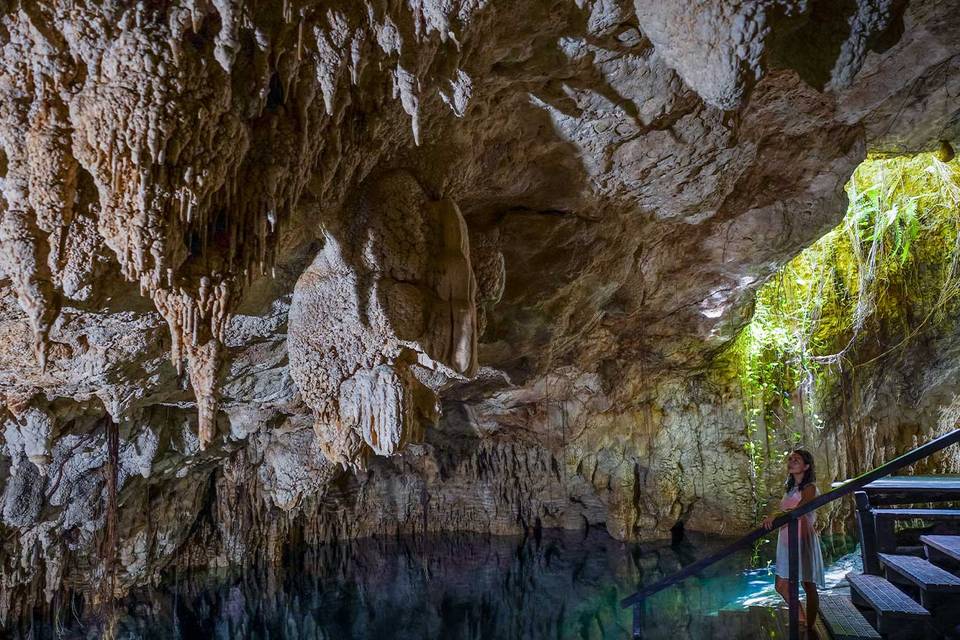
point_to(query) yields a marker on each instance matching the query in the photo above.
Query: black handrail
(636, 600)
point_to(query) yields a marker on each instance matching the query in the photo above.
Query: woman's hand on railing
(768, 521)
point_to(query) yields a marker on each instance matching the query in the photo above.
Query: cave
(471, 318)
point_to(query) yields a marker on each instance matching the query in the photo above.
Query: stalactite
(22, 247)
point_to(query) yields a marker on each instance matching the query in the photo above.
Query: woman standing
(800, 489)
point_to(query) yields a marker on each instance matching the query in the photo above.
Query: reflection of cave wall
(557, 583)
(543, 219)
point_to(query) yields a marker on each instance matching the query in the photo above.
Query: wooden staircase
(915, 598)
(897, 595)
(912, 592)
(901, 594)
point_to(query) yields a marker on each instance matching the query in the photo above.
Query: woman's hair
(809, 476)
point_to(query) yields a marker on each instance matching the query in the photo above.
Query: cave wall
(334, 270)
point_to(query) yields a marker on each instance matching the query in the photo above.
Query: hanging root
(110, 545)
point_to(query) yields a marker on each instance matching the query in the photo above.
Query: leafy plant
(893, 264)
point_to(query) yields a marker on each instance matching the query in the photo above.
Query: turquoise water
(759, 589)
(557, 585)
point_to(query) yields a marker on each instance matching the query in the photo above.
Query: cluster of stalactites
(39, 190)
(184, 187)
(197, 326)
(196, 310)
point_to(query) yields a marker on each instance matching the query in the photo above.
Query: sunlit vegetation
(889, 273)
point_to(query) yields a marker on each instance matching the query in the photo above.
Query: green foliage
(892, 265)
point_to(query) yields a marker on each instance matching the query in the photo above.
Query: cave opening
(872, 295)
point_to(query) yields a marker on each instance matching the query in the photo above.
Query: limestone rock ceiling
(406, 222)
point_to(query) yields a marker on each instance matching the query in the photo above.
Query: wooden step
(946, 545)
(927, 576)
(843, 620)
(882, 596)
(918, 514)
(891, 604)
(912, 489)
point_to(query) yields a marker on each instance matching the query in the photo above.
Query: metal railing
(791, 520)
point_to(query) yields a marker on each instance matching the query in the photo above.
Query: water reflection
(557, 585)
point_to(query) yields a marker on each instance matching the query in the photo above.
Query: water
(760, 591)
(559, 585)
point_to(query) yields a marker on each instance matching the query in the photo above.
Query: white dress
(811, 559)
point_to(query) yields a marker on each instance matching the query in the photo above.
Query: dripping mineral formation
(344, 268)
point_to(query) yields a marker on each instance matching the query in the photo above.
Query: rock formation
(380, 324)
(343, 268)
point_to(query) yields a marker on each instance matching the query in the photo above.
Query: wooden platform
(916, 483)
(920, 572)
(912, 489)
(918, 514)
(946, 545)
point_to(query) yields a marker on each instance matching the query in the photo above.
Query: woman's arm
(808, 494)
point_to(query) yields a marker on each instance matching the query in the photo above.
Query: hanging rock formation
(343, 268)
(383, 319)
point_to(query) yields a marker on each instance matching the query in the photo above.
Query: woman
(800, 489)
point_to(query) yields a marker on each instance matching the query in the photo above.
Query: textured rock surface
(338, 268)
(380, 322)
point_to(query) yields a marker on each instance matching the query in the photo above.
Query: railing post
(637, 619)
(886, 536)
(793, 547)
(867, 525)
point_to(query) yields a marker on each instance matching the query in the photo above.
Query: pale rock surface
(383, 318)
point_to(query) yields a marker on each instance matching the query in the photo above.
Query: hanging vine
(110, 543)
(890, 271)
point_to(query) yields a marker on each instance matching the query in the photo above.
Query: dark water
(560, 585)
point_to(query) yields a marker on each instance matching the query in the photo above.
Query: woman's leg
(813, 602)
(783, 588)
(782, 585)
